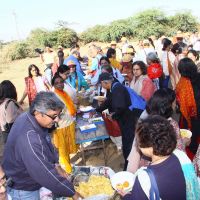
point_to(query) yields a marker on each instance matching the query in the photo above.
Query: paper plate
(86, 109)
(99, 98)
(185, 133)
(123, 180)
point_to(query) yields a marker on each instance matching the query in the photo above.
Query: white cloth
(142, 54)
(40, 83)
(164, 61)
(49, 58)
(124, 47)
(71, 91)
(138, 84)
(196, 46)
(117, 141)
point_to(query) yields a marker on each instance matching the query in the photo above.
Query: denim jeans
(165, 83)
(23, 195)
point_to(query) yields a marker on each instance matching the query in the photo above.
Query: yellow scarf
(67, 101)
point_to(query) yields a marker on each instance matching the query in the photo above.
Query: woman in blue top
(76, 79)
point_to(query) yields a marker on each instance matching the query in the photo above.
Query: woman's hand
(77, 196)
(186, 141)
(122, 192)
(21, 102)
(110, 116)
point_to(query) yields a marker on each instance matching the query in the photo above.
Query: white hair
(45, 101)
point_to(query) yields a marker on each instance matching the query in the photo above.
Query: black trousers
(195, 133)
(127, 125)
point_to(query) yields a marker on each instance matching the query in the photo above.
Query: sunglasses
(52, 117)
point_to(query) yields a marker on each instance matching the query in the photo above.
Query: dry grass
(16, 71)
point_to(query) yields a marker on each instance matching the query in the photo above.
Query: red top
(154, 71)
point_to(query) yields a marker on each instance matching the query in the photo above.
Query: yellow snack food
(185, 133)
(122, 186)
(126, 184)
(119, 186)
(95, 185)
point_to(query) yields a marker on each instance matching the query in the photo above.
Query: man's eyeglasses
(52, 117)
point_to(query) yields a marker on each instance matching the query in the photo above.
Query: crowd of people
(151, 91)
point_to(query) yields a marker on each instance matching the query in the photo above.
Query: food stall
(90, 129)
(93, 183)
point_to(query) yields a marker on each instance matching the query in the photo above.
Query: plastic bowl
(185, 133)
(86, 108)
(122, 178)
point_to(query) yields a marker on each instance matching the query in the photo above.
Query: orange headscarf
(185, 97)
(67, 101)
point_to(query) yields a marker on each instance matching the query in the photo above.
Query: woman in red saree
(188, 98)
(35, 83)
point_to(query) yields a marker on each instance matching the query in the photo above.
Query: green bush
(15, 50)
(97, 33)
(149, 22)
(119, 28)
(65, 37)
(106, 33)
(142, 25)
(184, 22)
(39, 38)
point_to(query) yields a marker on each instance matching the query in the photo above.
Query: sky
(19, 17)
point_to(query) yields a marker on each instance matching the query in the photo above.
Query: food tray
(97, 120)
(88, 128)
(83, 173)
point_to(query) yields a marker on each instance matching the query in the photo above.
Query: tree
(118, 28)
(38, 37)
(106, 33)
(149, 22)
(16, 50)
(184, 22)
(96, 33)
(65, 37)
(64, 24)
